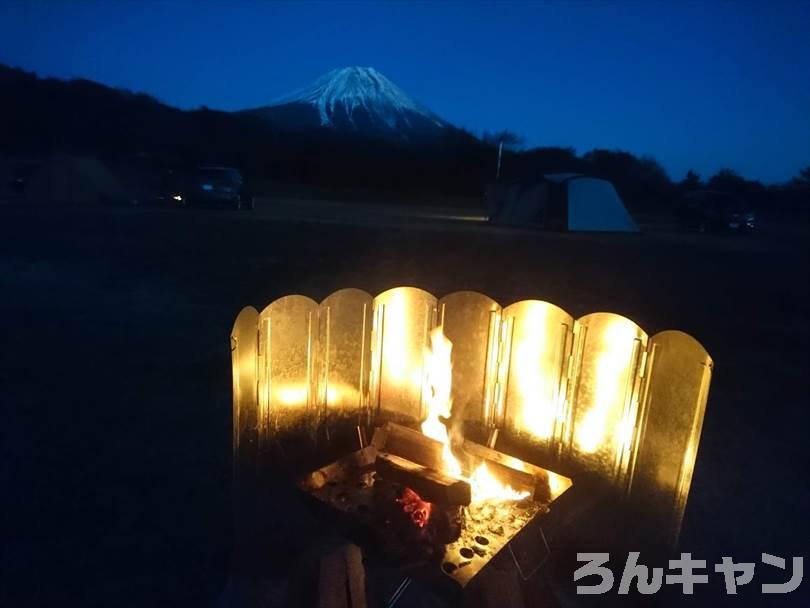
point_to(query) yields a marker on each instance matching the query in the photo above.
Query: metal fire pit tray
(347, 486)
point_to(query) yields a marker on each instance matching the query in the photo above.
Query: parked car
(210, 187)
(710, 211)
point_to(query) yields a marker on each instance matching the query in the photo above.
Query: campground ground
(116, 374)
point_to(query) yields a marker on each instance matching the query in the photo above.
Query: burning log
(430, 484)
(384, 492)
(408, 443)
(541, 484)
(410, 527)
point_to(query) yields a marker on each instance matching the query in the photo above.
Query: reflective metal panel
(604, 408)
(245, 411)
(674, 401)
(345, 351)
(287, 343)
(403, 317)
(592, 392)
(539, 337)
(470, 322)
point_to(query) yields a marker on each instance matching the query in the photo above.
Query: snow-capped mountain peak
(360, 88)
(357, 99)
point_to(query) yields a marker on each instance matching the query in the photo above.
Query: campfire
(482, 418)
(438, 364)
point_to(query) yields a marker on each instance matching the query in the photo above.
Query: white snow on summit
(361, 88)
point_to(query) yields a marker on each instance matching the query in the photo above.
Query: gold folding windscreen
(601, 422)
(344, 344)
(673, 401)
(469, 320)
(286, 355)
(536, 339)
(244, 337)
(595, 394)
(403, 318)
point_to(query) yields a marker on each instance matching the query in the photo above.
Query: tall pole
(500, 153)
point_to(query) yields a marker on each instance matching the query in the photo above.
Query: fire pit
(426, 518)
(483, 418)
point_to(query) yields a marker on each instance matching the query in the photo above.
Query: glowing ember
(438, 366)
(413, 505)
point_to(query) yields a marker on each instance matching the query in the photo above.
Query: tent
(560, 201)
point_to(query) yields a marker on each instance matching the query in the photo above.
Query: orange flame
(438, 379)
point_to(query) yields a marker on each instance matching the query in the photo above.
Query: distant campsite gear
(560, 201)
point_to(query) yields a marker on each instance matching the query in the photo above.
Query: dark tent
(560, 201)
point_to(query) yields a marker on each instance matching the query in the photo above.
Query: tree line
(41, 116)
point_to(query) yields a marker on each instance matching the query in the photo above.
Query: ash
(487, 527)
(490, 526)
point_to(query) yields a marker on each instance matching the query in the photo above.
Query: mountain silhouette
(359, 100)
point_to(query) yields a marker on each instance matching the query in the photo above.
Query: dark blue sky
(696, 84)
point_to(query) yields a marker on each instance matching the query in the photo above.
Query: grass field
(116, 374)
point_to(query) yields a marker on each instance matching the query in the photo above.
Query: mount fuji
(359, 100)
